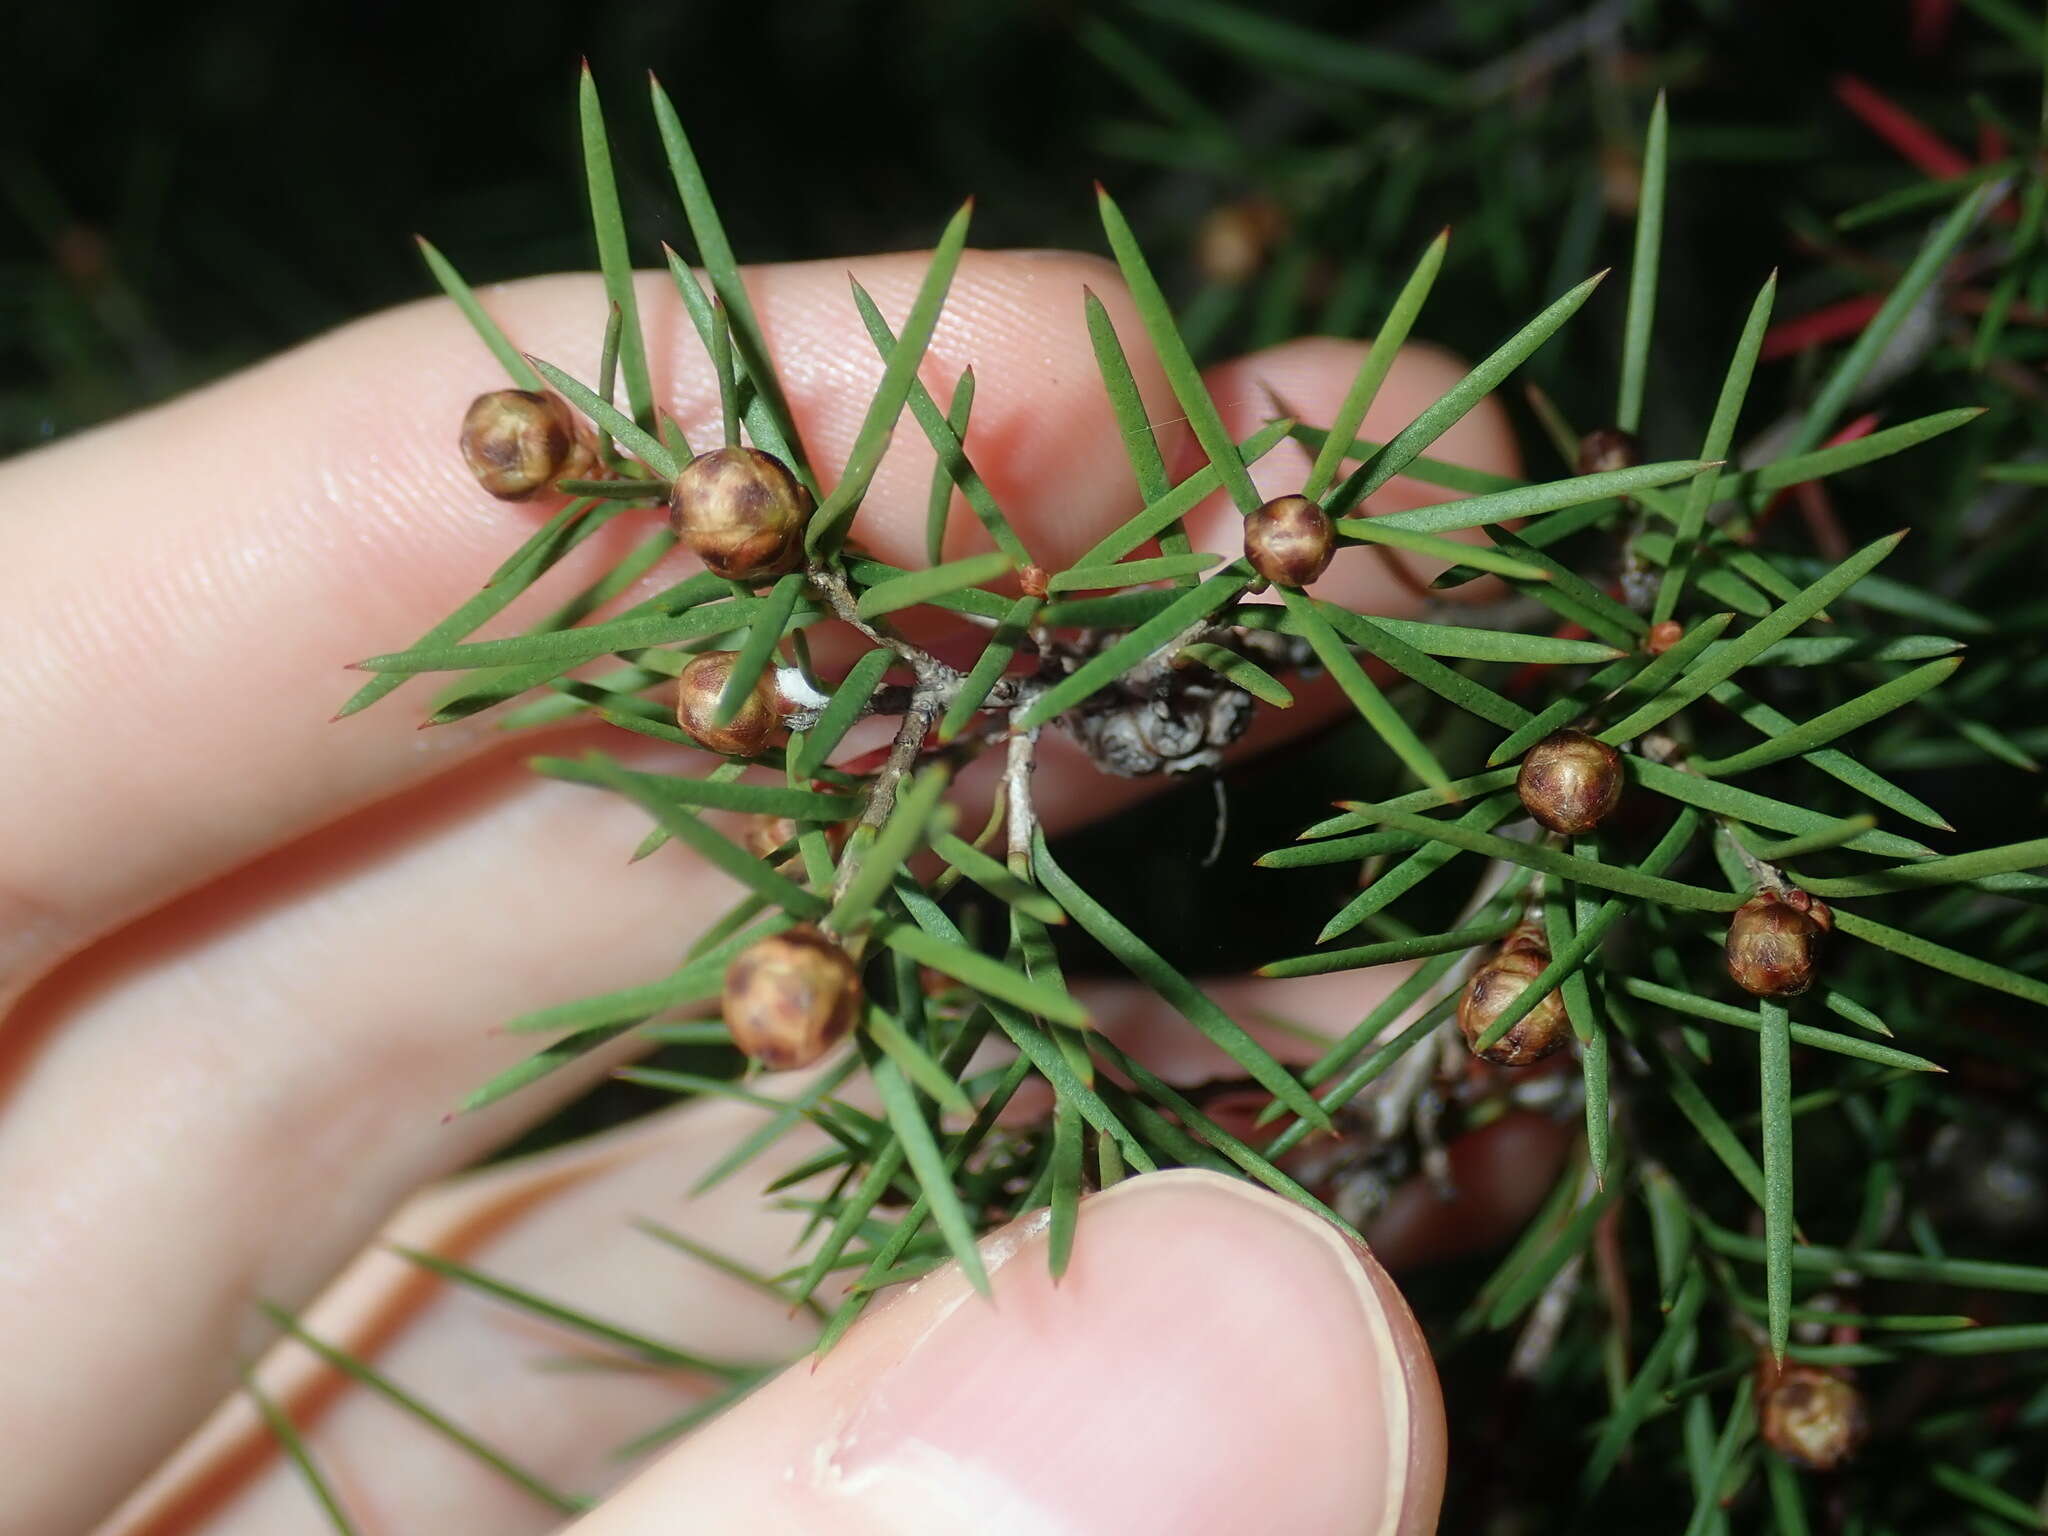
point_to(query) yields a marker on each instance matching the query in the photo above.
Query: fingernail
(1214, 1359)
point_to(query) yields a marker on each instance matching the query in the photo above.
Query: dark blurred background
(183, 189)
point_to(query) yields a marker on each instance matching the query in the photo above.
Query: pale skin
(250, 957)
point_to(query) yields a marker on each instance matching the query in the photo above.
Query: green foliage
(1697, 1164)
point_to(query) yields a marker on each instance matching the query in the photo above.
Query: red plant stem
(1913, 139)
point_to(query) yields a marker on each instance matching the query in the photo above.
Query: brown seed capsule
(518, 443)
(1606, 448)
(741, 511)
(791, 997)
(1542, 1031)
(1663, 635)
(698, 689)
(1774, 942)
(1570, 782)
(1290, 541)
(1033, 581)
(763, 835)
(1235, 239)
(1811, 1417)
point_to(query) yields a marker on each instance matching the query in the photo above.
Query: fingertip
(1214, 1358)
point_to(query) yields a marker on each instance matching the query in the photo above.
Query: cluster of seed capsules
(1570, 782)
(792, 996)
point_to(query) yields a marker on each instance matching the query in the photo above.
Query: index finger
(175, 642)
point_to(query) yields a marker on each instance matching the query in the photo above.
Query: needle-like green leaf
(1741, 651)
(945, 437)
(613, 258)
(939, 506)
(1611, 877)
(1186, 999)
(829, 523)
(723, 270)
(294, 1445)
(1066, 1185)
(1113, 661)
(713, 846)
(1241, 670)
(1394, 732)
(1372, 371)
(1408, 444)
(1762, 717)
(562, 649)
(1174, 358)
(465, 298)
(1839, 721)
(1161, 516)
(1370, 530)
(644, 447)
(1760, 810)
(1642, 273)
(1775, 1057)
(907, 829)
(1095, 578)
(1720, 434)
(1433, 854)
(1746, 1018)
(1646, 1385)
(758, 653)
(440, 1424)
(995, 878)
(849, 700)
(1920, 276)
(989, 667)
(1413, 948)
(915, 1062)
(1937, 957)
(639, 1345)
(984, 973)
(1572, 945)
(914, 587)
(1134, 425)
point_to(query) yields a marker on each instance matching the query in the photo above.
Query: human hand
(253, 956)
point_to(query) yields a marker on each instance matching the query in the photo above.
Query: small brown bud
(741, 511)
(1290, 541)
(762, 836)
(518, 443)
(1621, 181)
(1663, 635)
(1032, 581)
(1774, 942)
(1811, 1417)
(1235, 239)
(791, 997)
(1542, 1031)
(1570, 781)
(698, 690)
(1606, 448)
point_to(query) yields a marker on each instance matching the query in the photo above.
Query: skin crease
(288, 977)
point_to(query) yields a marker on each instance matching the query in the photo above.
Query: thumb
(1214, 1360)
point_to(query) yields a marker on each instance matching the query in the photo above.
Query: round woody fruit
(699, 687)
(1290, 541)
(518, 443)
(741, 512)
(1606, 448)
(1542, 1031)
(1570, 782)
(791, 997)
(1812, 1417)
(1774, 942)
